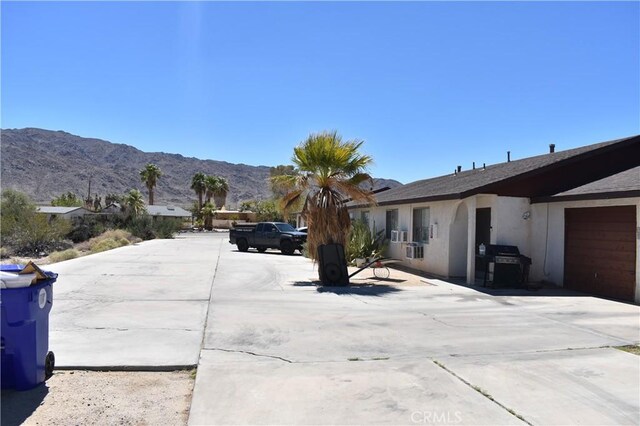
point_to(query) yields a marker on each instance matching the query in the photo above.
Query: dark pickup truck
(264, 235)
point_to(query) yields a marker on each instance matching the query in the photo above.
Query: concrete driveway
(277, 350)
(142, 306)
(272, 349)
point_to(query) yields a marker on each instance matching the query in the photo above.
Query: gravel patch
(97, 398)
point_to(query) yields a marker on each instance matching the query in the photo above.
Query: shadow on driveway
(355, 289)
(17, 406)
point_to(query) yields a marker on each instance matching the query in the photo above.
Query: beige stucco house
(540, 204)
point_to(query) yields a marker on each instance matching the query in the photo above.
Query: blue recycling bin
(26, 360)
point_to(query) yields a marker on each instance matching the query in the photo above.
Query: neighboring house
(168, 211)
(442, 221)
(112, 208)
(70, 213)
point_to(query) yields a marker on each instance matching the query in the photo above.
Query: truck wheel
(49, 364)
(262, 249)
(286, 247)
(243, 245)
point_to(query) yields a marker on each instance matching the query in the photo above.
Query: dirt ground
(100, 398)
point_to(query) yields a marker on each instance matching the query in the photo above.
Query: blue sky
(427, 85)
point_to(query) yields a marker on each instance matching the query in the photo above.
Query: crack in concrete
(253, 354)
(538, 351)
(482, 392)
(129, 329)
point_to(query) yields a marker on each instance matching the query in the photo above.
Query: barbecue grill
(510, 268)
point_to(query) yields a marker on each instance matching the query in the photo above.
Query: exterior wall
(451, 250)
(511, 222)
(548, 238)
(436, 252)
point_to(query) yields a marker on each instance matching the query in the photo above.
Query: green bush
(141, 227)
(25, 231)
(59, 256)
(148, 228)
(363, 243)
(167, 228)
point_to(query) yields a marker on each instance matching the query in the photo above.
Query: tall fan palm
(134, 203)
(198, 184)
(150, 175)
(330, 173)
(220, 191)
(210, 185)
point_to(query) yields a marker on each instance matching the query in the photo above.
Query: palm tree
(199, 186)
(134, 203)
(208, 211)
(330, 173)
(210, 184)
(150, 175)
(220, 191)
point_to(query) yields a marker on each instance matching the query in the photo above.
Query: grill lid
(502, 250)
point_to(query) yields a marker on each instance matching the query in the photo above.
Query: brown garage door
(600, 251)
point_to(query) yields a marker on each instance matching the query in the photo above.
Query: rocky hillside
(44, 164)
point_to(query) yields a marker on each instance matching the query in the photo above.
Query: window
(392, 222)
(364, 217)
(421, 225)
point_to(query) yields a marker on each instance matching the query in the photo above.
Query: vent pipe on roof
(484, 166)
(474, 165)
(459, 169)
(508, 156)
(552, 148)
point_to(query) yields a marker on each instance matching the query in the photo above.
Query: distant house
(168, 211)
(574, 212)
(70, 213)
(112, 208)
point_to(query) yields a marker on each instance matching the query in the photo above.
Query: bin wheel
(49, 364)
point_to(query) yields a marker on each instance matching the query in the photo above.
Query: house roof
(59, 210)
(169, 211)
(621, 185)
(538, 176)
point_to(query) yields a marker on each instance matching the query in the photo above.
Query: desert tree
(149, 176)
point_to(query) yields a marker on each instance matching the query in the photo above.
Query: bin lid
(11, 268)
(15, 268)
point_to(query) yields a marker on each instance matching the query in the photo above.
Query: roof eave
(586, 197)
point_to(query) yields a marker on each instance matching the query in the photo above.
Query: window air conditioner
(402, 237)
(395, 236)
(415, 251)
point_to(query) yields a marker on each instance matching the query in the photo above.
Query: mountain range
(45, 164)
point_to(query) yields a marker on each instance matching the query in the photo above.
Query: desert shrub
(104, 245)
(167, 228)
(148, 228)
(59, 256)
(119, 235)
(108, 240)
(141, 227)
(4, 253)
(25, 231)
(88, 227)
(83, 246)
